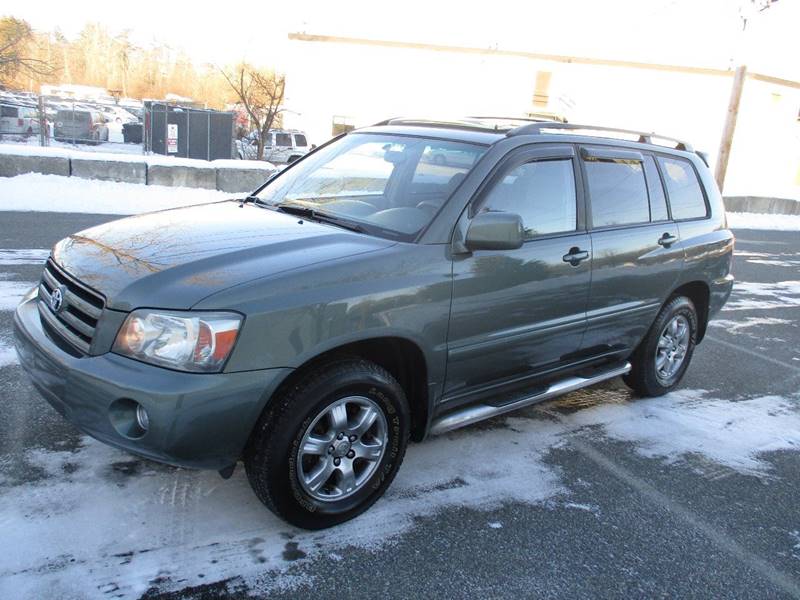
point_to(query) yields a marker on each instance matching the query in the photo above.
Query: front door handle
(667, 240)
(575, 256)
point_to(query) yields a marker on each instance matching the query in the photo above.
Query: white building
(336, 82)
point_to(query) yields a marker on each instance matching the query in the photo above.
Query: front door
(516, 313)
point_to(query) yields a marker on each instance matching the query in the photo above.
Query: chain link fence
(152, 128)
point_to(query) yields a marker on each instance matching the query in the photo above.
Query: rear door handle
(667, 240)
(575, 256)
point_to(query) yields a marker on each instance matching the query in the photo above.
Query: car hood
(175, 258)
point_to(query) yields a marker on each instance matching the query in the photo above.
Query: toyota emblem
(57, 299)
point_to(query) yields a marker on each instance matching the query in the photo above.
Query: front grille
(80, 308)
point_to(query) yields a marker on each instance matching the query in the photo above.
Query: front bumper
(196, 420)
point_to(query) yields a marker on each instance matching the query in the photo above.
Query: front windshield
(391, 185)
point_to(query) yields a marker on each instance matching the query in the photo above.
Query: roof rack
(645, 138)
(467, 124)
(509, 119)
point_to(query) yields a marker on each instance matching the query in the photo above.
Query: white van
(18, 120)
(281, 146)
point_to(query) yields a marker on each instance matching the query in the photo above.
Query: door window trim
(611, 153)
(534, 153)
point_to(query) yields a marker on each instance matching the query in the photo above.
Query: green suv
(373, 293)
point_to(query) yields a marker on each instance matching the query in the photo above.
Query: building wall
(369, 83)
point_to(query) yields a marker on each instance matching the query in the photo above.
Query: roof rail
(466, 124)
(645, 138)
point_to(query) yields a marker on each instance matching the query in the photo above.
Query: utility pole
(730, 126)
(747, 10)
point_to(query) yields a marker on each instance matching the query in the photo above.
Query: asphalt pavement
(594, 495)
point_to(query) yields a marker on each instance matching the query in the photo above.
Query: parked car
(81, 126)
(280, 146)
(116, 114)
(361, 298)
(17, 119)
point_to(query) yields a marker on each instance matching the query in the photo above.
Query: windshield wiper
(323, 217)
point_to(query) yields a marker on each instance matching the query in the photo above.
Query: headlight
(187, 341)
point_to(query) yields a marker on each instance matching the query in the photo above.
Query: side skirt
(473, 413)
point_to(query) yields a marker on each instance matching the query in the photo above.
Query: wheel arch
(699, 293)
(402, 357)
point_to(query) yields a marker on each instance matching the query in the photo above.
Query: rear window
(618, 192)
(685, 194)
(8, 111)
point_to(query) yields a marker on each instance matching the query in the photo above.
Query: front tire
(326, 449)
(661, 360)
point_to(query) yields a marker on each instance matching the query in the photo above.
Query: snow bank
(51, 193)
(760, 221)
(130, 154)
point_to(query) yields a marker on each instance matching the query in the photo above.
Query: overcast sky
(688, 32)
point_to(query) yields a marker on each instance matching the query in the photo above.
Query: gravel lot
(596, 494)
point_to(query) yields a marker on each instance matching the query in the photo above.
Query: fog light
(142, 418)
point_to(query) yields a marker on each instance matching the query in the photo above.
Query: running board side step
(478, 412)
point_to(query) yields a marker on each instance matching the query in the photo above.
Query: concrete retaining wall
(12, 165)
(230, 178)
(193, 177)
(241, 180)
(107, 170)
(757, 204)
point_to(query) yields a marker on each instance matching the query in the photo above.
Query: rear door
(637, 253)
(516, 313)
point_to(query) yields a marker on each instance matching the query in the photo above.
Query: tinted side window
(8, 111)
(685, 195)
(542, 193)
(658, 201)
(618, 192)
(300, 140)
(283, 139)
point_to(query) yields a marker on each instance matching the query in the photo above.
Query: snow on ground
(52, 193)
(758, 296)
(748, 323)
(8, 355)
(11, 292)
(125, 153)
(29, 146)
(781, 259)
(23, 256)
(763, 221)
(139, 521)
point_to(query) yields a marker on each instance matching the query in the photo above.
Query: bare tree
(15, 38)
(260, 92)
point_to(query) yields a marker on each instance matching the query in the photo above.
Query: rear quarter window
(685, 195)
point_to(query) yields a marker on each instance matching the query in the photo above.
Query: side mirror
(495, 231)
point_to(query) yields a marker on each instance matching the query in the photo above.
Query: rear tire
(661, 360)
(283, 474)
